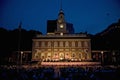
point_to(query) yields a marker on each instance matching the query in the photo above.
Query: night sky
(92, 16)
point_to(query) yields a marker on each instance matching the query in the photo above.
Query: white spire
(61, 10)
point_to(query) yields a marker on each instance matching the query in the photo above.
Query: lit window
(66, 43)
(43, 44)
(73, 44)
(61, 44)
(79, 44)
(55, 44)
(36, 44)
(49, 44)
(61, 34)
(86, 44)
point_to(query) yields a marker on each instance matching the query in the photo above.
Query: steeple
(61, 23)
(61, 10)
(61, 13)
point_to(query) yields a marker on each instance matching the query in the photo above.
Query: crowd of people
(59, 73)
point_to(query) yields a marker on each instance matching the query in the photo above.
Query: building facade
(61, 43)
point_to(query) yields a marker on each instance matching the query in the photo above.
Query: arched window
(36, 55)
(42, 56)
(73, 55)
(66, 55)
(80, 56)
(86, 51)
(55, 55)
(61, 56)
(48, 55)
(84, 56)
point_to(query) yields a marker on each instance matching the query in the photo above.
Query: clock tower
(61, 43)
(61, 24)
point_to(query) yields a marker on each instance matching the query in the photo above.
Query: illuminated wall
(61, 48)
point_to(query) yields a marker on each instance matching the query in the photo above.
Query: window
(73, 55)
(61, 44)
(79, 44)
(42, 55)
(80, 55)
(43, 44)
(36, 55)
(55, 44)
(73, 44)
(49, 55)
(49, 44)
(67, 44)
(86, 50)
(86, 44)
(36, 44)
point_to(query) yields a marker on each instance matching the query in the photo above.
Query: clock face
(61, 26)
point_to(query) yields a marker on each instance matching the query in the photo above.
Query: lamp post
(102, 57)
(21, 57)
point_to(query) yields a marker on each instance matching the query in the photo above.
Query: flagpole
(19, 43)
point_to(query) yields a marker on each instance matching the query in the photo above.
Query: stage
(70, 63)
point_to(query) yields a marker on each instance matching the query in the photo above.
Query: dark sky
(92, 16)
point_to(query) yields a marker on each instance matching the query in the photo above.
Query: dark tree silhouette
(9, 41)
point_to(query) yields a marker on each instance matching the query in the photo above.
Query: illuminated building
(61, 43)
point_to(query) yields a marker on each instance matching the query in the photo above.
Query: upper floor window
(55, 44)
(73, 44)
(36, 44)
(86, 44)
(43, 44)
(49, 44)
(79, 44)
(61, 44)
(67, 44)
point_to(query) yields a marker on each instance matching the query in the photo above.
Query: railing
(65, 35)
